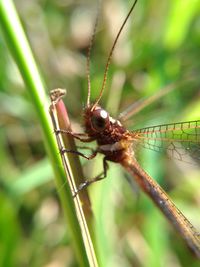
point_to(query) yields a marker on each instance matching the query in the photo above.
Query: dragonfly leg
(99, 177)
(94, 153)
(75, 135)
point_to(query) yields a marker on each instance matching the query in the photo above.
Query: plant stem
(21, 52)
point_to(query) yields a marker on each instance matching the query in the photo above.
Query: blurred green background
(160, 44)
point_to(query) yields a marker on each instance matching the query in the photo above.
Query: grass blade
(21, 52)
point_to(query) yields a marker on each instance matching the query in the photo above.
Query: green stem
(23, 57)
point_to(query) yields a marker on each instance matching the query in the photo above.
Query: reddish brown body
(113, 140)
(116, 143)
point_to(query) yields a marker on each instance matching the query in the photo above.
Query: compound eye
(99, 120)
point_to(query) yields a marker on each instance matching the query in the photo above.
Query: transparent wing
(181, 140)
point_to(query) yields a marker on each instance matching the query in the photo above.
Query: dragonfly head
(96, 120)
(101, 126)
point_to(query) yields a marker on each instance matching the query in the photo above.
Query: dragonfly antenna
(110, 55)
(89, 55)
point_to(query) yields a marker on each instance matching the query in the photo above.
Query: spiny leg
(99, 177)
(75, 135)
(63, 151)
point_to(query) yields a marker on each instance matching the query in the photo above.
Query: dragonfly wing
(180, 140)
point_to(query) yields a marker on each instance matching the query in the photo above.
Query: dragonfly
(117, 144)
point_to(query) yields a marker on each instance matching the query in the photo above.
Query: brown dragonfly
(116, 143)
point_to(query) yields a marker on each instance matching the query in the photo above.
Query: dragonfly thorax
(100, 126)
